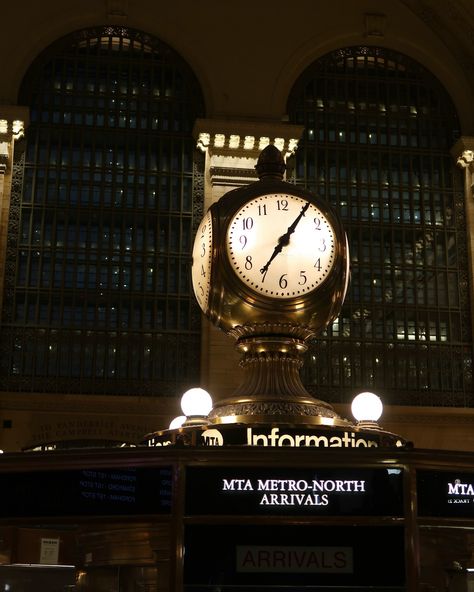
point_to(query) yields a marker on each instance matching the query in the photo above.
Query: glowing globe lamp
(177, 422)
(367, 409)
(196, 404)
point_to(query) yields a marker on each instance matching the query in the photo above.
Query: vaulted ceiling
(453, 22)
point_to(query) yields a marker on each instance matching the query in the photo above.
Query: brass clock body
(277, 261)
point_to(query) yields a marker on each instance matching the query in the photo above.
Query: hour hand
(282, 242)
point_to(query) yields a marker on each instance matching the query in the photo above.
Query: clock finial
(271, 163)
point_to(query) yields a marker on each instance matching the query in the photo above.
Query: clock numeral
(303, 278)
(322, 246)
(203, 250)
(203, 231)
(317, 223)
(201, 289)
(247, 223)
(203, 271)
(262, 210)
(317, 265)
(248, 262)
(243, 241)
(283, 282)
(282, 205)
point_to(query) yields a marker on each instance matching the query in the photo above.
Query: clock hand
(284, 240)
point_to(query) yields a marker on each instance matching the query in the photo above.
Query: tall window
(98, 296)
(378, 129)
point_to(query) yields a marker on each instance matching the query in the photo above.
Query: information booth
(268, 490)
(197, 519)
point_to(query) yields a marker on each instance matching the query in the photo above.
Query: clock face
(201, 267)
(281, 246)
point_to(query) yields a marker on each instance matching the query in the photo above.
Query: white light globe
(177, 422)
(196, 402)
(367, 407)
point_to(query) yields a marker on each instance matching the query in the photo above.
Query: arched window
(378, 130)
(98, 296)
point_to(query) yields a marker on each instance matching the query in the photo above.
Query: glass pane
(407, 305)
(97, 223)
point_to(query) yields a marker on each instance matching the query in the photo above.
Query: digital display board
(86, 492)
(293, 557)
(290, 491)
(445, 494)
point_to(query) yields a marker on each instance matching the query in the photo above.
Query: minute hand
(284, 240)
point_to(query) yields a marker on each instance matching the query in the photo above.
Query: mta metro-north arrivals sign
(290, 491)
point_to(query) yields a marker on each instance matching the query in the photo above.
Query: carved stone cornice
(13, 120)
(415, 415)
(4, 157)
(87, 404)
(463, 153)
(375, 25)
(452, 22)
(117, 10)
(466, 159)
(233, 146)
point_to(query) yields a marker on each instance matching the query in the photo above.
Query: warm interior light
(177, 422)
(196, 402)
(367, 407)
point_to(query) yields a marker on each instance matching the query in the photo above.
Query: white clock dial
(201, 267)
(281, 246)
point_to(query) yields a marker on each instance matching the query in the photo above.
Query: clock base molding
(271, 387)
(274, 411)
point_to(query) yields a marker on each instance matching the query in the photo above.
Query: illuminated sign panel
(290, 557)
(304, 436)
(284, 559)
(277, 491)
(443, 493)
(86, 492)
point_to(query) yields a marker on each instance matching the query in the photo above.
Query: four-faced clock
(270, 257)
(281, 245)
(270, 269)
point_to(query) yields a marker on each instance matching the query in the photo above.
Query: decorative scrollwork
(274, 409)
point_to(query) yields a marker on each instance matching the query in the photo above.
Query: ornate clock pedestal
(270, 269)
(272, 390)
